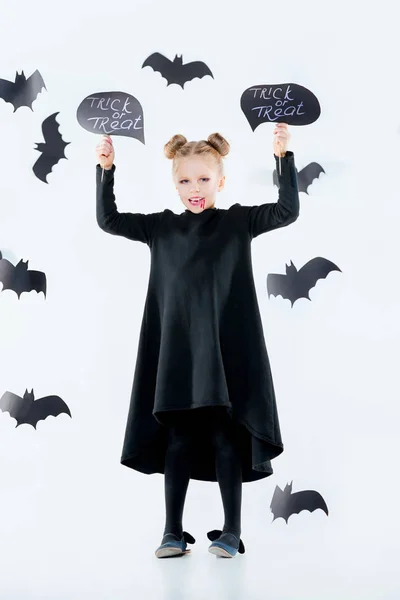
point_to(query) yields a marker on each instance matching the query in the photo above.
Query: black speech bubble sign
(281, 103)
(112, 113)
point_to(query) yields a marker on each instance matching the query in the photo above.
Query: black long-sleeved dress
(201, 340)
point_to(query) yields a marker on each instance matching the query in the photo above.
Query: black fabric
(176, 477)
(201, 340)
(182, 440)
(228, 467)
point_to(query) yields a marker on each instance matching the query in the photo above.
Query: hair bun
(176, 142)
(219, 143)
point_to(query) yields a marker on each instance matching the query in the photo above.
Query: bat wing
(160, 63)
(51, 133)
(12, 404)
(214, 535)
(312, 271)
(279, 504)
(36, 281)
(191, 70)
(53, 138)
(33, 86)
(282, 285)
(7, 91)
(306, 500)
(43, 166)
(45, 407)
(7, 272)
(306, 176)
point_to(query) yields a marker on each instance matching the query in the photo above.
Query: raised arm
(134, 226)
(273, 215)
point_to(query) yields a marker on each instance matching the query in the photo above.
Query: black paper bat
(30, 411)
(214, 535)
(22, 91)
(20, 279)
(52, 150)
(175, 71)
(297, 284)
(284, 503)
(305, 176)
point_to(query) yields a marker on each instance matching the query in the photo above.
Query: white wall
(74, 523)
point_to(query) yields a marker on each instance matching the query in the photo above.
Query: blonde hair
(215, 147)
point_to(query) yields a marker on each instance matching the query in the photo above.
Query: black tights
(227, 464)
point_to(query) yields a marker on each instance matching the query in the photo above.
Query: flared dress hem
(147, 460)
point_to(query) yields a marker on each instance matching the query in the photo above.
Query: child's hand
(281, 139)
(105, 152)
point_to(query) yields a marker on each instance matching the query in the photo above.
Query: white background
(74, 523)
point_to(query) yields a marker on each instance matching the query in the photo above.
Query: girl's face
(197, 181)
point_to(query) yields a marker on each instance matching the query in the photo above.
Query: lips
(196, 200)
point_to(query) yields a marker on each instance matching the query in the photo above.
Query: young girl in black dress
(203, 403)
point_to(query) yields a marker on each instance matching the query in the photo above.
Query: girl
(203, 403)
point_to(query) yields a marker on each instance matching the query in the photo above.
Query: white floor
(131, 571)
(94, 537)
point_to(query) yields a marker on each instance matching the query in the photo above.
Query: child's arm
(272, 215)
(134, 226)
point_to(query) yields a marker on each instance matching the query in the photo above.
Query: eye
(203, 178)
